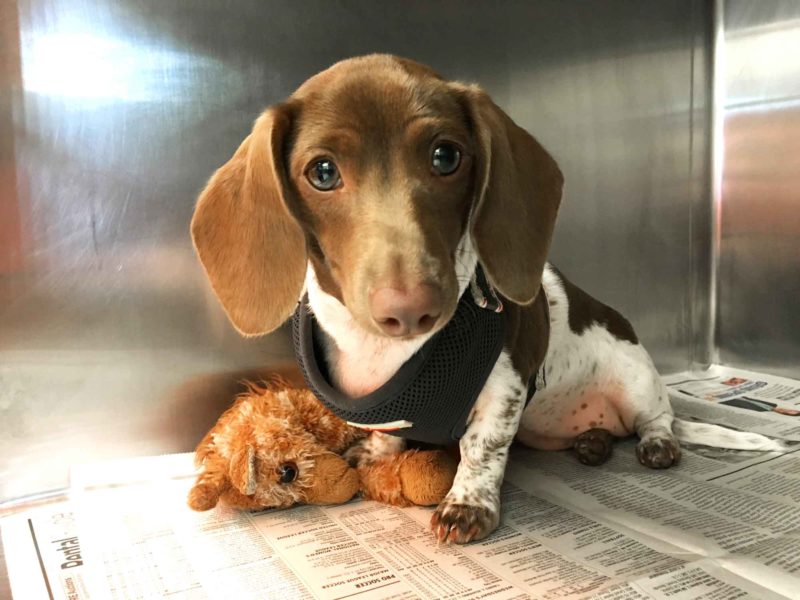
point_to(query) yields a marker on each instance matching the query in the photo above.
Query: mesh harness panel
(436, 388)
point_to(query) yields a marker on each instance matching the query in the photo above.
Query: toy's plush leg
(206, 491)
(421, 477)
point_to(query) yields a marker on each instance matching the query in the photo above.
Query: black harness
(430, 397)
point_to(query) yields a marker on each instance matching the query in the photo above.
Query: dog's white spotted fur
(484, 452)
(361, 361)
(593, 379)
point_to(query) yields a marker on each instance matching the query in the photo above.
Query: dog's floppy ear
(518, 190)
(251, 248)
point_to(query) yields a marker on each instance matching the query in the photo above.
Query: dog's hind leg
(657, 447)
(593, 447)
(652, 417)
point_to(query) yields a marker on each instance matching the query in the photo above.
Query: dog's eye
(287, 473)
(324, 175)
(445, 159)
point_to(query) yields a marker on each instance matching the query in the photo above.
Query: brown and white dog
(376, 188)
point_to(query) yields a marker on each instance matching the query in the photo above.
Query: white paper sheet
(721, 525)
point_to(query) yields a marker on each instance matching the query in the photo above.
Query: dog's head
(374, 170)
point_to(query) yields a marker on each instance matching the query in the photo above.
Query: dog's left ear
(518, 189)
(252, 249)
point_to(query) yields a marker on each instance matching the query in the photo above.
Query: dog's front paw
(658, 452)
(463, 523)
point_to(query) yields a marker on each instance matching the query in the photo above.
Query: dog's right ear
(519, 188)
(251, 248)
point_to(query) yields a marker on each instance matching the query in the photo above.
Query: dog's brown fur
(392, 223)
(259, 220)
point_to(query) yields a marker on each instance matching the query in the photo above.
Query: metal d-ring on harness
(430, 397)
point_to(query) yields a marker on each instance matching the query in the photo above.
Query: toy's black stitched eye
(324, 175)
(287, 473)
(445, 159)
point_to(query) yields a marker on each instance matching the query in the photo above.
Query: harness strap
(432, 394)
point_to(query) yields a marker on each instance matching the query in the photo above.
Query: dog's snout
(401, 313)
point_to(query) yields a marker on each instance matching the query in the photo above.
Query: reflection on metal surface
(761, 47)
(114, 114)
(618, 106)
(82, 65)
(759, 277)
(717, 163)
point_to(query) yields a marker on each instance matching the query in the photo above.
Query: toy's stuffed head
(262, 454)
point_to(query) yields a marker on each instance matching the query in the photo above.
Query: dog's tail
(706, 434)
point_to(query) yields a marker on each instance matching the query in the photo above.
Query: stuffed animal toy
(278, 446)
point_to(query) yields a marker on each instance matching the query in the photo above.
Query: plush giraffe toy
(278, 446)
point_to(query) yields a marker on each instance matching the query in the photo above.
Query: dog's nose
(400, 313)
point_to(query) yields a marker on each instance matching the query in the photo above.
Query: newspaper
(721, 525)
(761, 403)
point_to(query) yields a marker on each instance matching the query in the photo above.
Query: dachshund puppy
(395, 202)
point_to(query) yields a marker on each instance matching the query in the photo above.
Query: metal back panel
(114, 114)
(759, 263)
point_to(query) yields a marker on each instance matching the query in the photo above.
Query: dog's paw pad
(593, 447)
(463, 523)
(658, 453)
